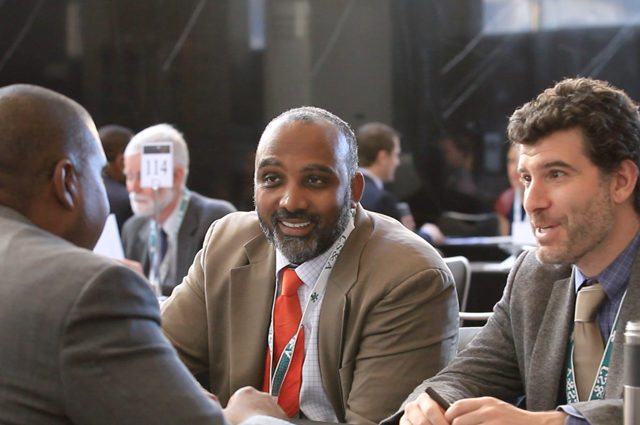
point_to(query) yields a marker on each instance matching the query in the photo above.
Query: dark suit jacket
(389, 314)
(118, 200)
(379, 200)
(80, 340)
(200, 213)
(522, 349)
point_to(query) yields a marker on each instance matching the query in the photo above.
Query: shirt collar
(172, 224)
(615, 277)
(376, 180)
(309, 271)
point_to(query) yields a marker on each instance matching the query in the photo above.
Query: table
(478, 248)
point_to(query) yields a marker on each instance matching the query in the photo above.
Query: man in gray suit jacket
(579, 149)
(184, 216)
(79, 334)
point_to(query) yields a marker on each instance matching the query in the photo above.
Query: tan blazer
(388, 319)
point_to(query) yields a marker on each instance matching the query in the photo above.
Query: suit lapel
(547, 364)
(335, 308)
(629, 311)
(251, 294)
(143, 248)
(186, 234)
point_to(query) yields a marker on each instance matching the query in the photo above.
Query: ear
(178, 177)
(624, 181)
(65, 184)
(381, 156)
(357, 187)
(120, 161)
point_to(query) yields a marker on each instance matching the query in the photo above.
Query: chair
(453, 223)
(461, 271)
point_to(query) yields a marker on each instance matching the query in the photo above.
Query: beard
(143, 205)
(300, 249)
(587, 230)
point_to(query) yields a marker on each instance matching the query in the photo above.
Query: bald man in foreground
(80, 334)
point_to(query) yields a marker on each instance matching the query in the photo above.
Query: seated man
(183, 215)
(80, 334)
(556, 335)
(379, 157)
(114, 140)
(375, 303)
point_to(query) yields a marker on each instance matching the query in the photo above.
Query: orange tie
(287, 315)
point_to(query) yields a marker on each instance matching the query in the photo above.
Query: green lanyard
(153, 241)
(597, 391)
(279, 370)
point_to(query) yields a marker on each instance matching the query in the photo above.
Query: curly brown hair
(607, 116)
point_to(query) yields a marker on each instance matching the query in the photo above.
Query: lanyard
(597, 390)
(159, 272)
(278, 373)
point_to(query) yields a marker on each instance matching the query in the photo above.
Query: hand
(491, 411)
(133, 265)
(408, 221)
(434, 232)
(472, 411)
(423, 411)
(247, 402)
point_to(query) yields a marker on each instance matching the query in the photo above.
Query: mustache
(283, 214)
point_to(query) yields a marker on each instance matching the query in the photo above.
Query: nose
(535, 198)
(294, 198)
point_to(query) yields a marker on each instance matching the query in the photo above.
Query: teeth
(295, 225)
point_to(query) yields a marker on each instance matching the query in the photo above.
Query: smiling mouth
(293, 225)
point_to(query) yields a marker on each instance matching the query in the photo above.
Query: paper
(109, 243)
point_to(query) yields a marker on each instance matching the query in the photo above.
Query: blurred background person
(460, 192)
(114, 140)
(510, 201)
(183, 215)
(379, 157)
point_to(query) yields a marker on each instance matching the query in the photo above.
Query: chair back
(461, 271)
(453, 223)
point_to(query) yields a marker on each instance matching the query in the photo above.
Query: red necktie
(287, 315)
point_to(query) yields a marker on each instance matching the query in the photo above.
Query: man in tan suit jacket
(388, 315)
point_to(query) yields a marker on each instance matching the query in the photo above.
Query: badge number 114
(156, 165)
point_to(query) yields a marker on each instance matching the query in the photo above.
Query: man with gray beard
(359, 306)
(183, 215)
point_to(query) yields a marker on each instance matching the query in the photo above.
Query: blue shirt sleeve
(574, 418)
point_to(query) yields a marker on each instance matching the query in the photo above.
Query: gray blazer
(522, 349)
(200, 213)
(80, 340)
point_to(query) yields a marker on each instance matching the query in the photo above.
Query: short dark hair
(607, 116)
(372, 138)
(315, 114)
(114, 140)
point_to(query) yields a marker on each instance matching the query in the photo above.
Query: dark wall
(188, 62)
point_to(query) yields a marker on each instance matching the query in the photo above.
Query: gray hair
(162, 133)
(315, 114)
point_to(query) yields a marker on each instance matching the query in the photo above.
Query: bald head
(49, 148)
(38, 127)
